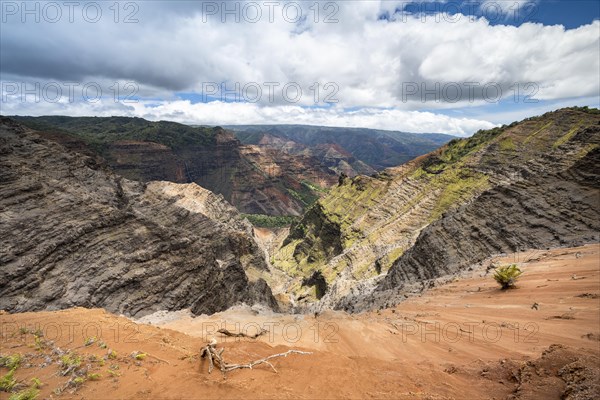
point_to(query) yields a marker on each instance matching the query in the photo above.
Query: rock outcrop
(75, 234)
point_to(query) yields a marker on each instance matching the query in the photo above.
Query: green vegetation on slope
(307, 249)
(373, 220)
(100, 131)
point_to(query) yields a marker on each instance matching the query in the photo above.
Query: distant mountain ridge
(364, 150)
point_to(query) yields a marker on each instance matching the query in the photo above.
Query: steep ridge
(558, 204)
(255, 179)
(529, 184)
(75, 234)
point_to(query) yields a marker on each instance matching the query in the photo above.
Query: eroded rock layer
(531, 184)
(74, 234)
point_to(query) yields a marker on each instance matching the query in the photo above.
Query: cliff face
(145, 161)
(74, 234)
(255, 179)
(554, 202)
(532, 184)
(329, 154)
(278, 170)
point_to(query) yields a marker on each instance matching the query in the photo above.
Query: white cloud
(368, 59)
(220, 113)
(374, 63)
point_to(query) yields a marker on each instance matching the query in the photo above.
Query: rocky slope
(75, 234)
(255, 179)
(532, 184)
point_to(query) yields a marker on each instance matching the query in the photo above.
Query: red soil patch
(466, 339)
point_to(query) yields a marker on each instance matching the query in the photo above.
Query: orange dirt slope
(465, 339)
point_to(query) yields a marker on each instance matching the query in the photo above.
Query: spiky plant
(507, 276)
(8, 381)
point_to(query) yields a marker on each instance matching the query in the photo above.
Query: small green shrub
(96, 359)
(113, 370)
(69, 360)
(8, 381)
(89, 341)
(36, 383)
(69, 363)
(507, 276)
(113, 373)
(78, 381)
(27, 394)
(138, 355)
(94, 377)
(10, 362)
(40, 344)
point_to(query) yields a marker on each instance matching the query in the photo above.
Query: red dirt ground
(466, 339)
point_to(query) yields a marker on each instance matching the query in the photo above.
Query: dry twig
(215, 357)
(159, 359)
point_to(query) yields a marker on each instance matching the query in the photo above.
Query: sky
(433, 66)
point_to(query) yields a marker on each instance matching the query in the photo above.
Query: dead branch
(215, 357)
(159, 359)
(241, 334)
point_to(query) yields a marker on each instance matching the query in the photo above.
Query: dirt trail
(466, 339)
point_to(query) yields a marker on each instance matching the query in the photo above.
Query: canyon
(75, 234)
(399, 256)
(259, 173)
